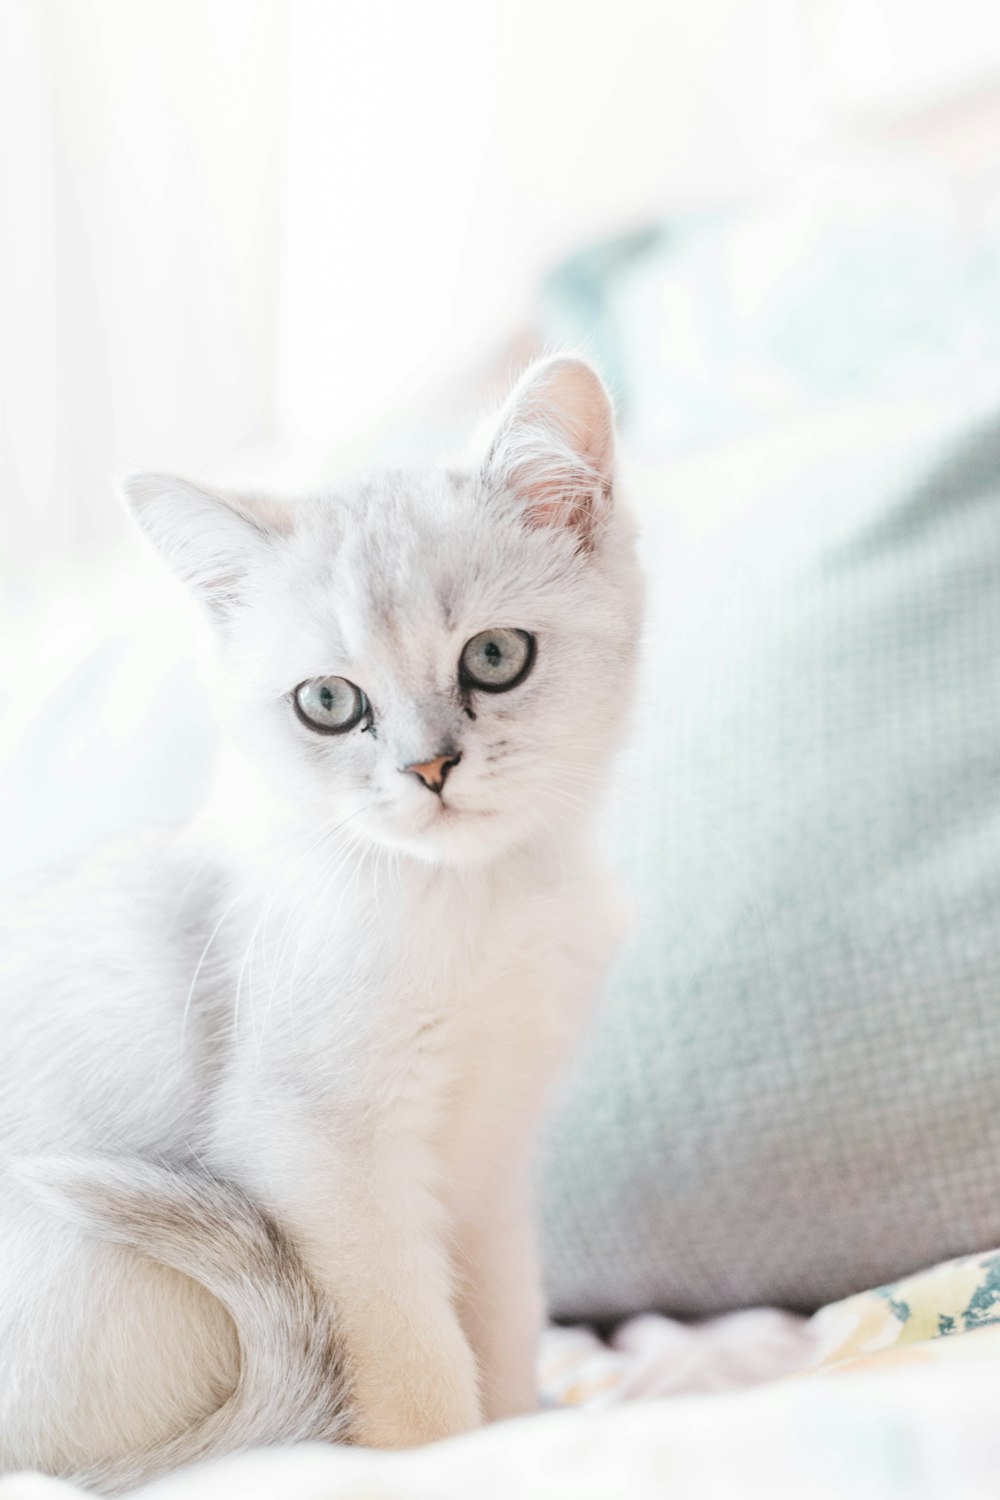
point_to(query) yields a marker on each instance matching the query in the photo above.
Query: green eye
(496, 660)
(330, 705)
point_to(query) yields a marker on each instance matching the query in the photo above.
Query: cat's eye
(330, 705)
(496, 660)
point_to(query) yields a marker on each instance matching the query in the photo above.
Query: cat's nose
(434, 773)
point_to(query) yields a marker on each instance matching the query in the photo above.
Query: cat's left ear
(212, 541)
(554, 448)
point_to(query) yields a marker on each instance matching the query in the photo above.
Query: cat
(270, 1086)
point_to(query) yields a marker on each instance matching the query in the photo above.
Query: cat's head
(439, 660)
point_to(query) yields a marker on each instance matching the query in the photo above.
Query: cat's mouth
(450, 812)
(439, 814)
(439, 830)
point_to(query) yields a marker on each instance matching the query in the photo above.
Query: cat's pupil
(493, 653)
(326, 697)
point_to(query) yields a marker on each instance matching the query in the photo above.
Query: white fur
(338, 992)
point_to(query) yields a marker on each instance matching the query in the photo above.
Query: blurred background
(253, 235)
(263, 242)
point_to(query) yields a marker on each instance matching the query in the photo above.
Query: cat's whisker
(304, 850)
(240, 896)
(330, 873)
(292, 855)
(327, 831)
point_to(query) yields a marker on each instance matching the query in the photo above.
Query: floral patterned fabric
(920, 1319)
(917, 1319)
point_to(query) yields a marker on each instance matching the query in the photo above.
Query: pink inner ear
(556, 447)
(558, 491)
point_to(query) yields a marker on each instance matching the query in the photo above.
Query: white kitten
(269, 1091)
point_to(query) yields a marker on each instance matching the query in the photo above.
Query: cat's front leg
(518, 1038)
(373, 1237)
(494, 1244)
(500, 1300)
(412, 1374)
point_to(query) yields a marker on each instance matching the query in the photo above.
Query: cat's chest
(419, 974)
(448, 955)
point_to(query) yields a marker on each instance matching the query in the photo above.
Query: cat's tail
(291, 1386)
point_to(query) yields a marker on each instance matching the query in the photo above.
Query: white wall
(442, 153)
(141, 162)
(236, 223)
(884, 57)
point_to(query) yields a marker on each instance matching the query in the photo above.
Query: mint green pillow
(792, 1090)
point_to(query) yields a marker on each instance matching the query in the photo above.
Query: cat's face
(440, 663)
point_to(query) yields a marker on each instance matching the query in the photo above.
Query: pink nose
(433, 773)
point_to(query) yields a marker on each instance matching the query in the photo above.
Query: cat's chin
(452, 836)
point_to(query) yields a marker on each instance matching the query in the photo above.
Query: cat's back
(96, 961)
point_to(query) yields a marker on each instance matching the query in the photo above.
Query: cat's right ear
(212, 541)
(554, 448)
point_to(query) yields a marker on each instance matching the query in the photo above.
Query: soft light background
(242, 225)
(245, 238)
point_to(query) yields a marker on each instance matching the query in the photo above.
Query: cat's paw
(519, 1400)
(415, 1423)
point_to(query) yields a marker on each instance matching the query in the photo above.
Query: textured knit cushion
(792, 1091)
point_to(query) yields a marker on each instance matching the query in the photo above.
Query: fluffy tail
(291, 1386)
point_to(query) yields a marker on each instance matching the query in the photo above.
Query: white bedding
(914, 1433)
